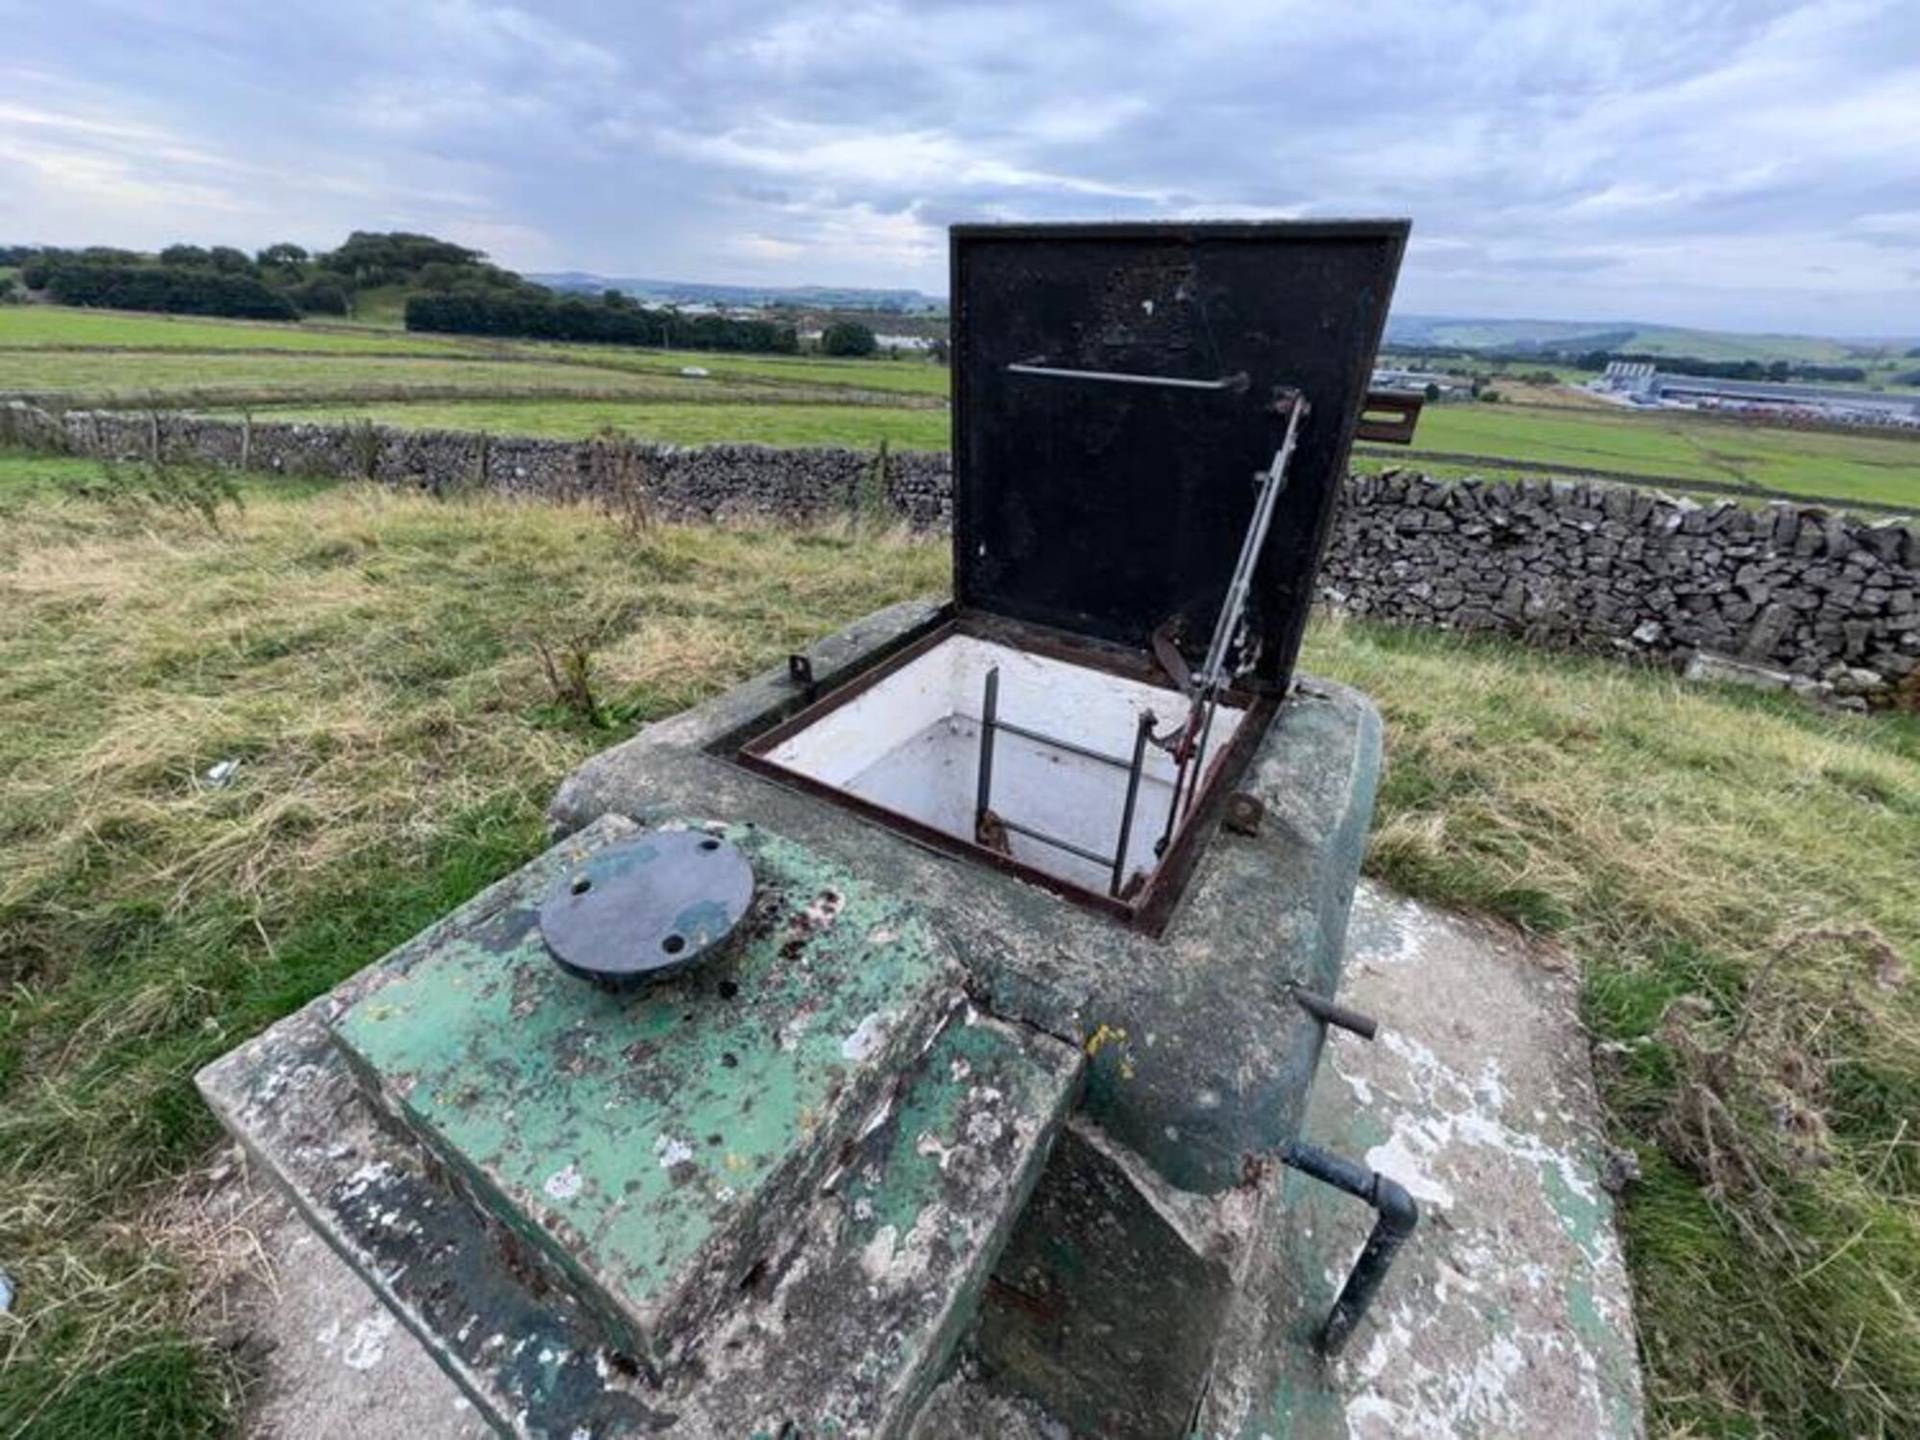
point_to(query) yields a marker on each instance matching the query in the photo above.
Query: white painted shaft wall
(911, 743)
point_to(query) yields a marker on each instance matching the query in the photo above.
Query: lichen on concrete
(641, 1140)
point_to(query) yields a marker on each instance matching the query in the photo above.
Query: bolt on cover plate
(647, 907)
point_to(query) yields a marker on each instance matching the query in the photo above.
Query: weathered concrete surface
(832, 1299)
(1200, 1062)
(514, 1343)
(333, 1359)
(1508, 1314)
(1106, 1305)
(652, 1146)
(858, 1312)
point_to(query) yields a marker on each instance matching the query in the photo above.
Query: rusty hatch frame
(1153, 905)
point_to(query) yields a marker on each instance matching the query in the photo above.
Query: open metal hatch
(1108, 507)
(1150, 427)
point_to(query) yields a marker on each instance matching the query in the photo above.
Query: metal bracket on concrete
(800, 672)
(1332, 1012)
(1244, 813)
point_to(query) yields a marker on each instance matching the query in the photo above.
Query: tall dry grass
(236, 765)
(1740, 877)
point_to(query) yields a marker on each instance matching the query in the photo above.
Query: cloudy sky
(1750, 164)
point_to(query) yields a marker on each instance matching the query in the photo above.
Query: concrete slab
(333, 1359)
(1507, 1315)
(1509, 1312)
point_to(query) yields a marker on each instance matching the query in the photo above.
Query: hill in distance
(807, 297)
(1568, 337)
(1522, 337)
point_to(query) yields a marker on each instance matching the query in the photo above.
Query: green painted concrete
(1201, 1061)
(859, 1311)
(625, 1134)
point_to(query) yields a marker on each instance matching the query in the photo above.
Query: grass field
(1867, 465)
(82, 375)
(77, 358)
(677, 424)
(55, 328)
(564, 391)
(1739, 877)
(906, 377)
(61, 326)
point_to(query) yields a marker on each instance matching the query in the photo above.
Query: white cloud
(890, 160)
(1735, 163)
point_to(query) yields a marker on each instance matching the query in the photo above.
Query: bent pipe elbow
(1396, 1214)
(1399, 1212)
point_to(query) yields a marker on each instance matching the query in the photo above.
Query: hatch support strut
(1190, 748)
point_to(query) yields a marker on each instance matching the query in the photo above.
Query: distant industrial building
(1639, 383)
(1423, 382)
(1629, 377)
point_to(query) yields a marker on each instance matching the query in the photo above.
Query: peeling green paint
(623, 1133)
(967, 1059)
(1587, 1218)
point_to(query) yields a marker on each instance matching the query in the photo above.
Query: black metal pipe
(1142, 733)
(989, 709)
(1056, 743)
(1331, 1012)
(1398, 1215)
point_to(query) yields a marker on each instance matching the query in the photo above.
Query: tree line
(613, 318)
(280, 282)
(454, 290)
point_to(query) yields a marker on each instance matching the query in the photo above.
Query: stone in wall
(1798, 587)
(1562, 562)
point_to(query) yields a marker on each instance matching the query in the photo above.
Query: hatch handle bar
(1236, 382)
(1397, 1216)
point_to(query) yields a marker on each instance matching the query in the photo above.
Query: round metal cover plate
(646, 907)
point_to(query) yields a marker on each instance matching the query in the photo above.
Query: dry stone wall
(1793, 587)
(706, 482)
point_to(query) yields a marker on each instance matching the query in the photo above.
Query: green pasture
(1868, 465)
(673, 423)
(59, 325)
